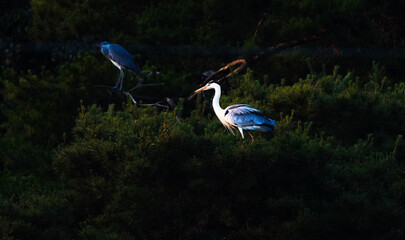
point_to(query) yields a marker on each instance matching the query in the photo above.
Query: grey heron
(239, 116)
(121, 58)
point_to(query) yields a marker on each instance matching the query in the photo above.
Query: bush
(80, 163)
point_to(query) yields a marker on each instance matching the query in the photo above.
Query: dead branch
(223, 73)
(160, 103)
(283, 46)
(240, 63)
(260, 23)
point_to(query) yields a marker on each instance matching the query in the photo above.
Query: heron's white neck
(215, 103)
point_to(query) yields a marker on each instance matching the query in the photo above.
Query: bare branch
(128, 93)
(241, 63)
(145, 85)
(282, 46)
(219, 75)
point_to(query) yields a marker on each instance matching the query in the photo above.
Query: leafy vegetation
(79, 163)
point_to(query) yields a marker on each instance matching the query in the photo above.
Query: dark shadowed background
(78, 162)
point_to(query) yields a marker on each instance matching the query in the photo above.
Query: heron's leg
(119, 79)
(251, 136)
(241, 132)
(122, 79)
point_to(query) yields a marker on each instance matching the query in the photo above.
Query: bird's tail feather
(269, 124)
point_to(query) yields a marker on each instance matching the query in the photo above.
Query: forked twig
(128, 93)
(157, 104)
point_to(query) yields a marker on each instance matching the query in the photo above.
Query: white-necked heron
(239, 116)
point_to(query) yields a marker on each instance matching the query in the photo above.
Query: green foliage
(141, 173)
(339, 105)
(39, 109)
(212, 22)
(14, 18)
(79, 163)
(291, 19)
(142, 21)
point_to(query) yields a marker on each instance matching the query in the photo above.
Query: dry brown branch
(223, 73)
(259, 24)
(282, 46)
(241, 63)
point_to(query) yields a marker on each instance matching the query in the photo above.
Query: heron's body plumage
(121, 58)
(247, 118)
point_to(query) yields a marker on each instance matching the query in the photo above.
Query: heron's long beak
(98, 45)
(201, 89)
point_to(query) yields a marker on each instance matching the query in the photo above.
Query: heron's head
(102, 44)
(210, 85)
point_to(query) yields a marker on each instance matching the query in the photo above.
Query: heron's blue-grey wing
(245, 117)
(121, 56)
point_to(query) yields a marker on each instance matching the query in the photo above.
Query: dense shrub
(143, 173)
(80, 162)
(39, 109)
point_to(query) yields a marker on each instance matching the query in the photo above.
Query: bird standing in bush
(239, 116)
(121, 58)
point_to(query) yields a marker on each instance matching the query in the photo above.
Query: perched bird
(121, 58)
(239, 116)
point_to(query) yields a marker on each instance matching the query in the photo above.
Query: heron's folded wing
(121, 56)
(242, 115)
